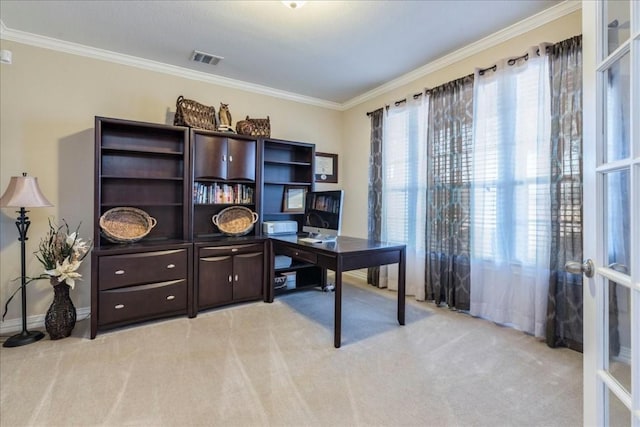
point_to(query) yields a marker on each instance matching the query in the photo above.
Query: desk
(346, 253)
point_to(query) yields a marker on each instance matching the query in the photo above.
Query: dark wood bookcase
(144, 166)
(285, 163)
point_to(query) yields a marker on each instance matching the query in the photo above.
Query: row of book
(222, 193)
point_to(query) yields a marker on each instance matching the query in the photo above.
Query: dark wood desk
(346, 253)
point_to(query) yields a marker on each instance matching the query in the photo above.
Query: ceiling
(327, 50)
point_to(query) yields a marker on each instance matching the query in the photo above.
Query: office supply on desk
(280, 227)
(309, 240)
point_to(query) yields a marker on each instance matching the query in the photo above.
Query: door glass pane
(620, 334)
(619, 415)
(618, 29)
(617, 111)
(617, 214)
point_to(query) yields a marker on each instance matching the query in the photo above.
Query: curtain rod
(512, 61)
(400, 101)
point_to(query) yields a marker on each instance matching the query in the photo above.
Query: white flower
(79, 246)
(71, 239)
(66, 272)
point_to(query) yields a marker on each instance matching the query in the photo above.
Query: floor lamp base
(23, 338)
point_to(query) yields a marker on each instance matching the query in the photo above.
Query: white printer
(280, 227)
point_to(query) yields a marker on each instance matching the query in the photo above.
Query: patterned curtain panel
(448, 195)
(375, 189)
(564, 310)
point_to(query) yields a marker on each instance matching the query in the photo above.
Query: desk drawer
(143, 267)
(298, 254)
(230, 250)
(144, 301)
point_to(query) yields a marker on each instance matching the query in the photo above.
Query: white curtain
(404, 190)
(510, 207)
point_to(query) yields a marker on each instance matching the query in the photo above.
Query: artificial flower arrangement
(61, 253)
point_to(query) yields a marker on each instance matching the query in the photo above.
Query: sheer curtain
(404, 181)
(510, 208)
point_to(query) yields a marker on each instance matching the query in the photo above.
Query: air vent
(206, 58)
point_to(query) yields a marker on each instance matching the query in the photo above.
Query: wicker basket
(254, 127)
(125, 224)
(193, 114)
(235, 220)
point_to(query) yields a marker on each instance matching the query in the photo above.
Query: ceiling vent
(206, 58)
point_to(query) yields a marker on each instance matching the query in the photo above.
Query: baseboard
(36, 322)
(12, 326)
(360, 275)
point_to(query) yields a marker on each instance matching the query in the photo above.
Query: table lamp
(23, 192)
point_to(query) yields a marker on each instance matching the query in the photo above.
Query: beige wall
(357, 126)
(48, 103)
(49, 100)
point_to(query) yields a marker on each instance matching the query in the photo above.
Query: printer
(280, 227)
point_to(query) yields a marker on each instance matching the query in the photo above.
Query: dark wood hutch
(185, 264)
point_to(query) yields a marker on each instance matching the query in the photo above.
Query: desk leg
(401, 285)
(337, 314)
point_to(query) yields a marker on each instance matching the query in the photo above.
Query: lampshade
(23, 192)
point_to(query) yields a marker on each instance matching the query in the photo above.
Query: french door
(611, 159)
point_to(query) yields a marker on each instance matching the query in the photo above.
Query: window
(404, 175)
(511, 211)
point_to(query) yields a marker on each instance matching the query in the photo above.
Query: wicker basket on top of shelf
(126, 224)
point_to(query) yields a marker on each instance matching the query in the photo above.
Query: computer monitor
(323, 214)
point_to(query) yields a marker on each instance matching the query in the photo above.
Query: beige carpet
(274, 364)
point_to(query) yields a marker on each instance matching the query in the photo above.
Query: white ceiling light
(294, 4)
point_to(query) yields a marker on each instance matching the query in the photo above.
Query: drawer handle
(170, 297)
(230, 279)
(230, 158)
(119, 306)
(236, 277)
(234, 250)
(171, 266)
(119, 272)
(297, 254)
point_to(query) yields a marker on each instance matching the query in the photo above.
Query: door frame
(597, 382)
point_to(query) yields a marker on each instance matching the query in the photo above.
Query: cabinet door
(242, 159)
(215, 281)
(210, 157)
(247, 276)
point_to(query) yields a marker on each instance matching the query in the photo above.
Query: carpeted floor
(274, 364)
(364, 313)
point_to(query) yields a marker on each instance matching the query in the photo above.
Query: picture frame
(326, 168)
(294, 198)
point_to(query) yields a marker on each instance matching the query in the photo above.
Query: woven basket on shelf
(193, 114)
(235, 220)
(254, 127)
(125, 224)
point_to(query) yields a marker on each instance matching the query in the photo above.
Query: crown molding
(524, 26)
(535, 21)
(149, 65)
